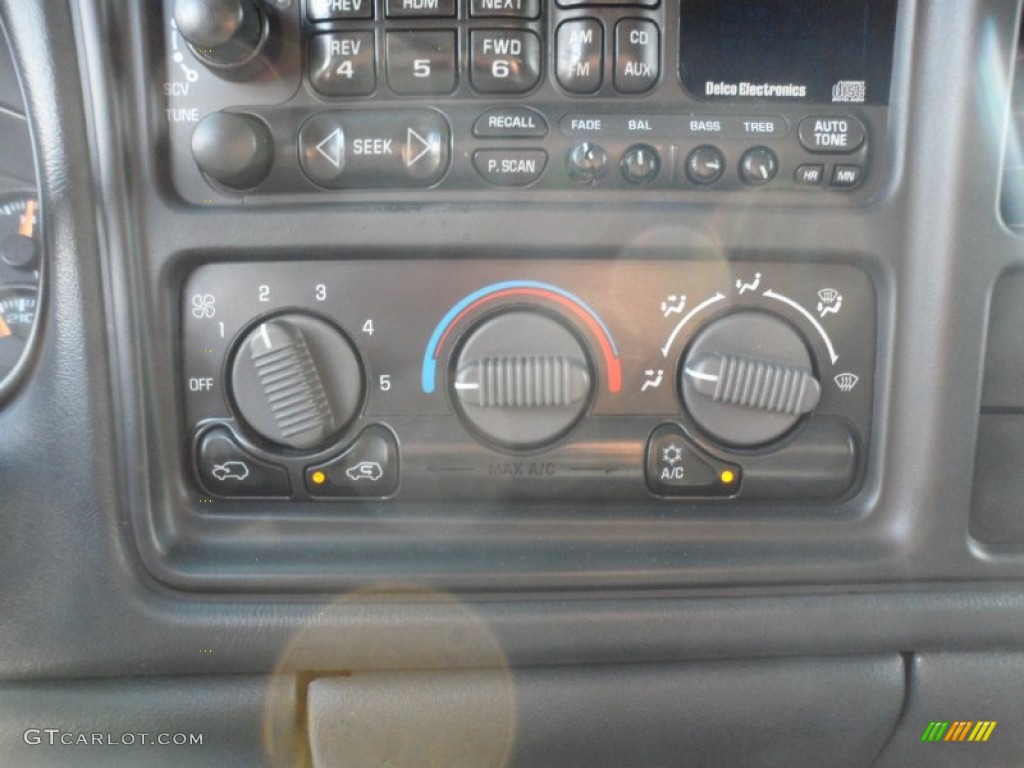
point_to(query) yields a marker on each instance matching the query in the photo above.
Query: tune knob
(296, 381)
(747, 379)
(224, 34)
(234, 149)
(522, 380)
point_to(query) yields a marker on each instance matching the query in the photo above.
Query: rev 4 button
(375, 148)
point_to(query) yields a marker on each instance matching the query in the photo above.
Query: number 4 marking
(368, 327)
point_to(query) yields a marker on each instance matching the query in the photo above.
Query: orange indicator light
(318, 478)
(728, 476)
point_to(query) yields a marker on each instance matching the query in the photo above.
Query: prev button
(839, 134)
(375, 148)
(510, 167)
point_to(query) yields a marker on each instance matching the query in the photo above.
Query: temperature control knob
(224, 34)
(748, 378)
(522, 380)
(296, 381)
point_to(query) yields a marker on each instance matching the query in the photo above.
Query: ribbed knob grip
(523, 382)
(288, 375)
(750, 383)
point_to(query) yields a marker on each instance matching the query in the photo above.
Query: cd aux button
(637, 55)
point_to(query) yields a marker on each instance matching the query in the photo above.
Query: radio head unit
(380, 100)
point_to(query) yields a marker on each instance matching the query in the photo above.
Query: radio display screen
(815, 51)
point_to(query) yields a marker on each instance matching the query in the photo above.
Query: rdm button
(375, 148)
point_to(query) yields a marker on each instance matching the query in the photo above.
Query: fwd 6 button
(375, 148)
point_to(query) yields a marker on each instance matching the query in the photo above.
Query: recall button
(510, 123)
(375, 148)
(510, 167)
(836, 134)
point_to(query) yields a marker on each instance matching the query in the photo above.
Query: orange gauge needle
(5, 329)
(28, 220)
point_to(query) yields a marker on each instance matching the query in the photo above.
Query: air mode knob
(522, 380)
(747, 379)
(224, 34)
(296, 381)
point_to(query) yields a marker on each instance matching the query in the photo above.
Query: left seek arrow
(375, 148)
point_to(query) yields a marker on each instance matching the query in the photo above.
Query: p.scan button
(375, 148)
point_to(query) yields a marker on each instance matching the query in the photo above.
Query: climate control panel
(413, 380)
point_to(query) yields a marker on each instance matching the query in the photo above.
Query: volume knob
(222, 33)
(296, 381)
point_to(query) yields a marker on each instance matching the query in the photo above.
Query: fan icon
(671, 454)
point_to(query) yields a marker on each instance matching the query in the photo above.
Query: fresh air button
(368, 468)
(375, 148)
(811, 175)
(846, 175)
(837, 134)
(342, 64)
(332, 10)
(510, 123)
(228, 471)
(676, 468)
(420, 8)
(637, 55)
(504, 60)
(580, 55)
(518, 9)
(421, 62)
(510, 167)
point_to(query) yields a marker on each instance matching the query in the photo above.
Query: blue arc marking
(429, 374)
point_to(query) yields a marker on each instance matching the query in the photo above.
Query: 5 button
(421, 62)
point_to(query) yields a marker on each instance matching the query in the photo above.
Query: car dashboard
(511, 383)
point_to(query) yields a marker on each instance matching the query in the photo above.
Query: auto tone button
(839, 134)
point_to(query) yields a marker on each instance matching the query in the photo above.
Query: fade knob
(748, 378)
(296, 381)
